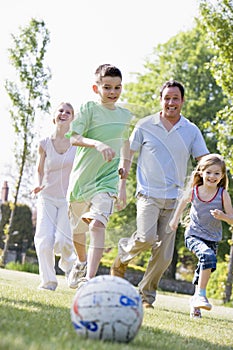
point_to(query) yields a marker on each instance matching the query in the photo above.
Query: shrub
(217, 283)
(27, 267)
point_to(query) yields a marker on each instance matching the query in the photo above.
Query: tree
(217, 22)
(29, 96)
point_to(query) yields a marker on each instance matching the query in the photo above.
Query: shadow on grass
(163, 340)
(35, 325)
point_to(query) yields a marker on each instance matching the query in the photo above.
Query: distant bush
(31, 253)
(217, 283)
(27, 267)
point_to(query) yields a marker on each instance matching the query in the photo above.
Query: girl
(53, 234)
(211, 204)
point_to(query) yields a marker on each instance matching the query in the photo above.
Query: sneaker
(51, 286)
(118, 268)
(195, 312)
(81, 282)
(147, 305)
(78, 270)
(201, 302)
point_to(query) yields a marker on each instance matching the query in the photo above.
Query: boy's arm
(126, 161)
(228, 215)
(178, 212)
(107, 152)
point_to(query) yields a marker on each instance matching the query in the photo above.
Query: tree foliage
(217, 22)
(28, 94)
(185, 57)
(28, 91)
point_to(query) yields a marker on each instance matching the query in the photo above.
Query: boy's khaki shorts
(100, 207)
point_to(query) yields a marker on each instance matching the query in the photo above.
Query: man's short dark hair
(172, 83)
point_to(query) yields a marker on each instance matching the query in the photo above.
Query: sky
(83, 35)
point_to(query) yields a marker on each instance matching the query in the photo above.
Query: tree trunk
(229, 281)
(7, 239)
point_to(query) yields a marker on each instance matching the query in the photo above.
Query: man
(165, 142)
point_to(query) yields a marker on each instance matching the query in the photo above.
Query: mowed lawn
(31, 319)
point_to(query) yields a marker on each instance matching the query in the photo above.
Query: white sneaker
(51, 286)
(195, 312)
(201, 302)
(78, 270)
(82, 281)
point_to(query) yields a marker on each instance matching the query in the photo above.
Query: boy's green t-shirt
(91, 174)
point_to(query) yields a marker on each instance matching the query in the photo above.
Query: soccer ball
(107, 308)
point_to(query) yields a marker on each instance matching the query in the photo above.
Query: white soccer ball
(107, 308)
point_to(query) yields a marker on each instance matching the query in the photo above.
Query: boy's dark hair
(172, 83)
(105, 70)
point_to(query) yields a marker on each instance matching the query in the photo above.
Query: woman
(53, 234)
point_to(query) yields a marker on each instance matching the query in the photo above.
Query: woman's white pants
(53, 237)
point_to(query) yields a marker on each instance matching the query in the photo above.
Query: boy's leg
(95, 215)
(96, 248)
(79, 268)
(102, 205)
(79, 242)
(78, 228)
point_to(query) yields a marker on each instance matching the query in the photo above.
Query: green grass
(40, 320)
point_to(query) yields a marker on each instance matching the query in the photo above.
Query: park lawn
(40, 320)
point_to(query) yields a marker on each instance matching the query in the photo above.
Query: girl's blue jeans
(205, 251)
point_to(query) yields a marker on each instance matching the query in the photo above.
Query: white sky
(84, 34)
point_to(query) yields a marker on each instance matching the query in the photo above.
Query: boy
(101, 133)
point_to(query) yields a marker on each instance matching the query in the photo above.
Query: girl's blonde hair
(204, 163)
(196, 179)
